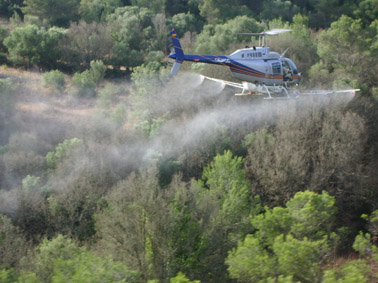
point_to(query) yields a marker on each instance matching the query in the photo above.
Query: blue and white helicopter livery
(261, 71)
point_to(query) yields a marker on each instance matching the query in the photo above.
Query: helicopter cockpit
(289, 69)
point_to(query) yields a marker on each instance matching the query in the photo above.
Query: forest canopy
(111, 170)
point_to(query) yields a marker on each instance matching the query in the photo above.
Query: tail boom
(180, 57)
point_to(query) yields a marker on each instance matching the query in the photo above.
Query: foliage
(89, 267)
(9, 7)
(341, 56)
(3, 34)
(97, 10)
(97, 70)
(85, 42)
(353, 271)
(57, 13)
(118, 116)
(34, 45)
(84, 83)
(30, 182)
(181, 278)
(119, 196)
(87, 81)
(216, 12)
(299, 43)
(133, 33)
(148, 80)
(274, 9)
(62, 151)
(156, 6)
(7, 98)
(367, 11)
(282, 166)
(184, 22)
(227, 183)
(372, 220)
(218, 38)
(250, 261)
(135, 224)
(106, 96)
(51, 250)
(12, 246)
(59, 260)
(55, 79)
(279, 248)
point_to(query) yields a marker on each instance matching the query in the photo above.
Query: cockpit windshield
(290, 64)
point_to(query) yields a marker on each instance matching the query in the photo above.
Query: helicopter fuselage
(255, 65)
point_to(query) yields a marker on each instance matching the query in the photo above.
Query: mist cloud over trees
(111, 170)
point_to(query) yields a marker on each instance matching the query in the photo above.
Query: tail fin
(179, 53)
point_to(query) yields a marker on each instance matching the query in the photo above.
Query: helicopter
(261, 71)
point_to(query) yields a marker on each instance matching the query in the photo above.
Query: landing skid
(276, 92)
(270, 92)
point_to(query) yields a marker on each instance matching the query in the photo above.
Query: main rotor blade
(249, 33)
(269, 32)
(277, 31)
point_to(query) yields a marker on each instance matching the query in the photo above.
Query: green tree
(181, 278)
(134, 34)
(347, 50)
(59, 260)
(225, 191)
(372, 220)
(106, 96)
(250, 262)
(13, 245)
(8, 275)
(55, 79)
(3, 34)
(367, 11)
(88, 267)
(312, 214)
(274, 9)
(9, 7)
(97, 10)
(128, 228)
(57, 13)
(158, 232)
(352, 271)
(87, 81)
(227, 183)
(62, 151)
(219, 38)
(33, 45)
(216, 12)
(184, 22)
(307, 152)
(300, 46)
(118, 116)
(49, 251)
(279, 247)
(156, 6)
(84, 84)
(324, 12)
(85, 42)
(301, 259)
(173, 7)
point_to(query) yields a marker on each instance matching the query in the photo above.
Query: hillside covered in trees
(113, 171)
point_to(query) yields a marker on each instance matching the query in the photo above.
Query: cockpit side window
(276, 67)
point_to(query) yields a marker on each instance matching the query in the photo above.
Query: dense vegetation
(167, 181)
